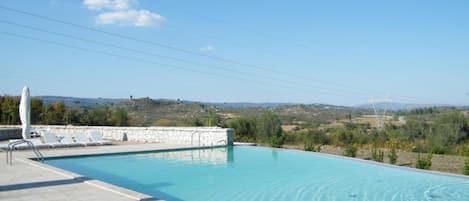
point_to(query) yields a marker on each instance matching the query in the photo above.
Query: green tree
(54, 114)
(195, 122)
(245, 129)
(212, 119)
(10, 110)
(269, 130)
(97, 116)
(72, 117)
(451, 128)
(120, 118)
(37, 110)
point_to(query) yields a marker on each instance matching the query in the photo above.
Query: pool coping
(131, 194)
(94, 182)
(129, 152)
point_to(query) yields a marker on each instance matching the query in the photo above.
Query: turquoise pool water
(257, 173)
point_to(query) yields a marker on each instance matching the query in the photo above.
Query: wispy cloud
(120, 12)
(138, 18)
(207, 48)
(109, 4)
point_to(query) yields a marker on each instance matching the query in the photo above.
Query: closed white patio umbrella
(25, 114)
(25, 117)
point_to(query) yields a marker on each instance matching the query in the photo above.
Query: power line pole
(380, 115)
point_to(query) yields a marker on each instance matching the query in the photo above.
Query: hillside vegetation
(425, 132)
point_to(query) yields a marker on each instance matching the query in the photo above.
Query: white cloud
(109, 4)
(207, 48)
(138, 18)
(120, 12)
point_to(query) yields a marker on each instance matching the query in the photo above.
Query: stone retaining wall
(197, 136)
(10, 133)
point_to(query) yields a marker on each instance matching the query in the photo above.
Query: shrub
(466, 168)
(312, 147)
(308, 146)
(438, 149)
(350, 151)
(424, 163)
(377, 155)
(392, 155)
(276, 141)
(463, 150)
(313, 139)
(269, 129)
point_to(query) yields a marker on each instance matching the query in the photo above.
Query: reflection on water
(274, 154)
(215, 156)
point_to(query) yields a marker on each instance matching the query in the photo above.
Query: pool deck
(26, 179)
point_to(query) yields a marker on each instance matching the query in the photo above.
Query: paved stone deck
(30, 180)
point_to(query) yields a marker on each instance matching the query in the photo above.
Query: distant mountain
(399, 106)
(78, 102)
(75, 101)
(249, 105)
(86, 102)
(165, 112)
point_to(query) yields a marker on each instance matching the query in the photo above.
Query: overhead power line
(190, 52)
(95, 42)
(261, 83)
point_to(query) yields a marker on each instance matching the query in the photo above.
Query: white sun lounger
(68, 141)
(36, 142)
(98, 138)
(83, 139)
(51, 140)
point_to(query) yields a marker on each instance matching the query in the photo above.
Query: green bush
(313, 139)
(276, 141)
(350, 151)
(392, 155)
(269, 129)
(438, 149)
(466, 168)
(312, 147)
(377, 155)
(424, 163)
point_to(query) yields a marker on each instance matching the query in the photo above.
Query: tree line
(426, 131)
(57, 113)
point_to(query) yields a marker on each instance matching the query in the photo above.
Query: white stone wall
(197, 136)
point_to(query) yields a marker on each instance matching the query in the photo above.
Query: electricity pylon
(380, 115)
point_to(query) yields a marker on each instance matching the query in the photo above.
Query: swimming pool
(258, 173)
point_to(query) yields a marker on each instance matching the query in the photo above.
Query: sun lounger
(51, 140)
(68, 141)
(36, 142)
(83, 139)
(98, 138)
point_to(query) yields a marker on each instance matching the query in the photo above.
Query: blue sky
(337, 52)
